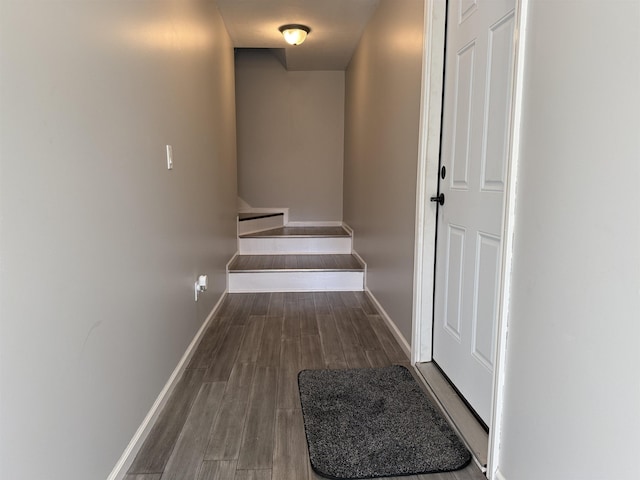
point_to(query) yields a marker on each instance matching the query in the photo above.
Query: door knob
(439, 199)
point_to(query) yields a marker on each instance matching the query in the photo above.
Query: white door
(476, 112)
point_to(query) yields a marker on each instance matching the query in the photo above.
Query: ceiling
(336, 27)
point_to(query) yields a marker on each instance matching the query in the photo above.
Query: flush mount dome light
(294, 34)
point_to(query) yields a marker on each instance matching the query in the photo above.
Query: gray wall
(572, 407)
(290, 137)
(100, 244)
(381, 152)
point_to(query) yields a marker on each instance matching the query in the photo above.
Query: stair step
(295, 273)
(258, 263)
(296, 240)
(300, 232)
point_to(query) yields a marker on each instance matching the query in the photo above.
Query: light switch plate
(169, 157)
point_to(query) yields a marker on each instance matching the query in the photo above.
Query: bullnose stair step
(296, 273)
(332, 262)
(296, 240)
(295, 259)
(299, 232)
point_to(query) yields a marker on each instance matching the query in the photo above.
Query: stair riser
(291, 246)
(295, 281)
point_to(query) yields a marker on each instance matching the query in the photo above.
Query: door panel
(463, 101)
(467, 8)
(477, 100)
(485, 298)
(496, 139)
(455, 263)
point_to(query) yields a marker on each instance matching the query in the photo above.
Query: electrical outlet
(201, 285)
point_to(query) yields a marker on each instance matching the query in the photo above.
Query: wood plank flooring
(235, 414)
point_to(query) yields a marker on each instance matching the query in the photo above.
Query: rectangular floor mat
(374, 422)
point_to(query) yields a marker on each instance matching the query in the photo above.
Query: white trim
(499, 475)
(427, 183)
(385, 316)
(391, 324)
(226, 269)
(330, 223)
(508, 228)
(364, 264)
(347, 228)
(126, 459)
(350, 232)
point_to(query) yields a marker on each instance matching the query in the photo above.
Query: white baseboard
(361, 260)
(315, 224)
(391, 324)
(353, 252)
(499, 475)
(129, 454)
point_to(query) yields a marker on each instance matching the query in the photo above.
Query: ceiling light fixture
(294, 34)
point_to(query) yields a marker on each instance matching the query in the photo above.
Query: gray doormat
(374, 422)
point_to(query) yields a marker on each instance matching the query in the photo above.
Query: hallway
(235, 414)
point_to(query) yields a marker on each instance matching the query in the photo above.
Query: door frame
(427, 185)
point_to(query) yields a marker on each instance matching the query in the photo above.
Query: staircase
(296, 259)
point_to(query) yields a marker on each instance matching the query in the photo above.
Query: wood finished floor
(328, 262)
(235, 413)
